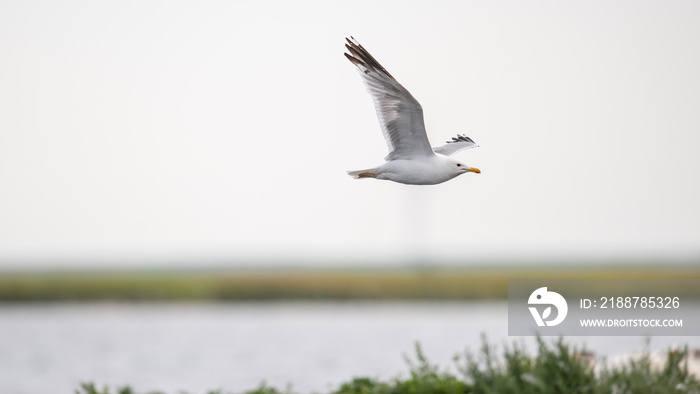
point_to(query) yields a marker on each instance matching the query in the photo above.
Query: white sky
(147, 132)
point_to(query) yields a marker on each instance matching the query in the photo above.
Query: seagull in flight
(411, 160)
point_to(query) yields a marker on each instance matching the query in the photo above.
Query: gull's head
(460, 168)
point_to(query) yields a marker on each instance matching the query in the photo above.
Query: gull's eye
(459, 165)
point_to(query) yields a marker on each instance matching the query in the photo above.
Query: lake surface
(198, 347)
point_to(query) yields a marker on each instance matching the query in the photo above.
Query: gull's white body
(411, 160)
(429, 171)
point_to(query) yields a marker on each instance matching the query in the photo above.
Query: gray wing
(457, 144)
(400, 115)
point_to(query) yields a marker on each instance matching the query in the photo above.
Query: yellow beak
(473, 169)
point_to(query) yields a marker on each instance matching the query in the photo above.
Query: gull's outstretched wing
(400, 115)
(458, 143)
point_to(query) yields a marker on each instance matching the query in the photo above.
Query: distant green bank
(302, 284)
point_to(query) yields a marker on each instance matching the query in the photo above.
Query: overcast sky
(148, 132)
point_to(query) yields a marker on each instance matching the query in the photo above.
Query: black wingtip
(359, 55)
(461, 137)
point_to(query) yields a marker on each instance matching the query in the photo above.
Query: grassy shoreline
(301, 284)
(555, 368)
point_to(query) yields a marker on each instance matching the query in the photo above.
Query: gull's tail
(371, 173)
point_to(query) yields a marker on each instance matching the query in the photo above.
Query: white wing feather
(457, 144)
(400, 115)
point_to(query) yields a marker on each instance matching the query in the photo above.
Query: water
(235, 347)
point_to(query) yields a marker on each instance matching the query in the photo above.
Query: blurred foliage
(555, 368)
(306, 284)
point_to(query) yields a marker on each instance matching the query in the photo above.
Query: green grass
(305, 284)
(555, 368)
